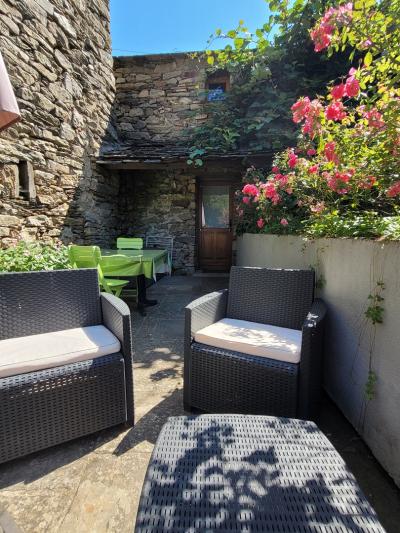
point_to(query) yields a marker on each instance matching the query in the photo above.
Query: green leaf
(368, 59)
(238, 42)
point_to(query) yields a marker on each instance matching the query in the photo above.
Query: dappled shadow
(212, 474)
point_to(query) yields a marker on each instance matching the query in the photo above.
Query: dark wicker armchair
(219, 379)
(48, 404)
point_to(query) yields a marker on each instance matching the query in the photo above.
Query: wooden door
(214, 221)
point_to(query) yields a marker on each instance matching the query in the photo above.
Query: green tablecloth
(134, 262)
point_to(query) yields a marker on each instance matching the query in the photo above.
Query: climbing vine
(269, 70)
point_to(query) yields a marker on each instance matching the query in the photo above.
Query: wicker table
(249, 473)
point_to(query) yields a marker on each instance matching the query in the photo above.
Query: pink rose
(375, 119)
(321, 36)
(352, 87)
(284, 222)
(300, 109)
(335, 111)
(367, 183)
(338, 91)
(250, 189)
(275, 170)
(311, 151)
(292, 159)
(260, 223)
(269, 189)
(394, 190)
(330, 153)
(317, 208)
(313, 169)
(246, 200)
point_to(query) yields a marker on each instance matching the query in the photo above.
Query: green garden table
(149, 263)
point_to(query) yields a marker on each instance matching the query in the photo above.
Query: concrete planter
(348, 271)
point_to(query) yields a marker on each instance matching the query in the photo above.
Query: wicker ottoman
(249, 473)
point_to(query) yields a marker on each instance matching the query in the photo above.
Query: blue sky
(156, 26)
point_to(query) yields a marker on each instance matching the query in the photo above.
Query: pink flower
(292, 159)
(352, 87)
(284, 222)
(366, 44)
(394, 190)
(311, 151)
(276, 199)
(367, 183)
(300, 110)
(321, 36)
(330, 152)
(289, 190)
(282, 179)
(269, 189)
(260, 223)
(338, 91)
(335, 111)
(375, 119)
(275, 170)
(338, 182)
(317, 208)
(313, 169)
(246, 200)
(250, 189)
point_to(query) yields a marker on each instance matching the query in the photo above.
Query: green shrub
(368, 225)
(26, 257)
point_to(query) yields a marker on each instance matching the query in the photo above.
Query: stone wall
(162, 203)
(59, 60)
(158, 96)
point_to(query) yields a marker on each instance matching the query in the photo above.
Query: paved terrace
(93, 484)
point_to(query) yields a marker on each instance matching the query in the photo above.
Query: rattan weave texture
(220, 381)
(41, 409)
(273, 389)
(39, 302)
(238, 473)
(270, 296)
(44, 408)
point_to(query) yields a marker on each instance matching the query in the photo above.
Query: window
(217, 85)
(26, 183)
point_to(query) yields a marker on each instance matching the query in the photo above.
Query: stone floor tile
(108, 496)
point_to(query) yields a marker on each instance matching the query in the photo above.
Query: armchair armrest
(205, 311)
(311, 364)
(198, 314)
(117, 318)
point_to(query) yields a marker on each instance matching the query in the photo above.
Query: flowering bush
(346, 165)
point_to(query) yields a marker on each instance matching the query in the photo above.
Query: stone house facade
(100, 150)
(58, 55)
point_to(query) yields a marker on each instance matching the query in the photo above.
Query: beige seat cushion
(262, 340)
(47, 350)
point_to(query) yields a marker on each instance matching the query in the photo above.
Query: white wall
(351, 269)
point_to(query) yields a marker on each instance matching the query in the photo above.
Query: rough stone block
(9, 220)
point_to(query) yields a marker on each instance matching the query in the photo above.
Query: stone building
(100, 150)
(58, 56)
(159, 99)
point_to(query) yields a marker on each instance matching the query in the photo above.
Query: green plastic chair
(90, 257)
(130, 243)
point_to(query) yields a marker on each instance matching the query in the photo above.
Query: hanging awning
(9, 111)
